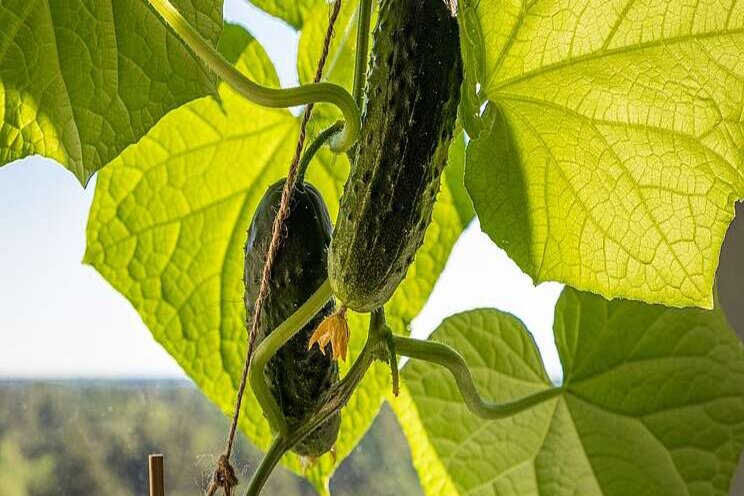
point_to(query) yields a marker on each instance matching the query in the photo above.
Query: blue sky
(59, 318)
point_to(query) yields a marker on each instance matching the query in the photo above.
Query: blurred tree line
(81, 438)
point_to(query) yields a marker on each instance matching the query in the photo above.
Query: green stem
(443, 355)
(329, 404)
(270, 460)
(268, 97)
(271, 344)
(362, 46)
(376, 348)
(307, 157)
(340, 393)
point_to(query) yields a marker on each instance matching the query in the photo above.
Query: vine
(267, 97)
(317, 143)
(377, 347)
(224, 475)
(362, 47)
(271, 344)
(381, 343)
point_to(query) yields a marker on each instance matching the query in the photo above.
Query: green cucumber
(413, 90)
(297, 377)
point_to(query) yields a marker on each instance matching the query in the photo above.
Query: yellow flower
(335, 330)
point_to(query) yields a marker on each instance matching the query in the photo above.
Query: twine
(224, 474)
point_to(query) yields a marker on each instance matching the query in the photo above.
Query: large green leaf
(653, 404)
(80, 80)
(612, 150)
(339, 66)
(167, 228)
(293, 12)
(343, 43)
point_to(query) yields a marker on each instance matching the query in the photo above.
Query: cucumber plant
(603, 151)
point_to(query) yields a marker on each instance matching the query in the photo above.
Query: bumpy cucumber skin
(297, 376)
(413, 90)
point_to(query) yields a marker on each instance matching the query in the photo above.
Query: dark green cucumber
(297, 376)
(413, 90)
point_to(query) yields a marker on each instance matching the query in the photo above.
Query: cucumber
(413, 90)
(297, 376)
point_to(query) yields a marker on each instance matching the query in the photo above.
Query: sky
(60, 319)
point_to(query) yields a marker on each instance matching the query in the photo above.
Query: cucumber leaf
(293, 12)
(653, 404)
(611, 150)
(167, 229)
(80, 80)
(340, 64)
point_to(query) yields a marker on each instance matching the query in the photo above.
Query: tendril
(267, 97)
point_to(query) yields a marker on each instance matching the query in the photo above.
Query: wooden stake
(157, 476)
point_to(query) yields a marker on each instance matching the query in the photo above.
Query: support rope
(224, 474)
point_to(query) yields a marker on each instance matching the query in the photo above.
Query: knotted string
(224, 474)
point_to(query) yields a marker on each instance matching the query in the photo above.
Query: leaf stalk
(448, 357)
(362, 47)
(267, 97)
(317, 143)
(377, 347)
(268, 463)
(271, 344)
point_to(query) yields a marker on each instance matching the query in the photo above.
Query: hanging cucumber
(413, 90)
(297, 377)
